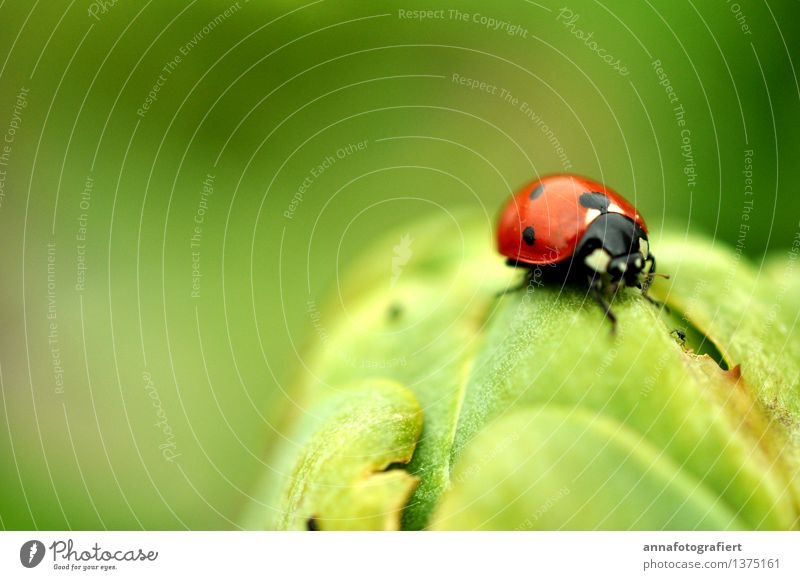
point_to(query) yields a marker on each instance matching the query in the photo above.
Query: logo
(402, 254)
(31, 553)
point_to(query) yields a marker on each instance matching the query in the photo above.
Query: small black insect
(680, 335)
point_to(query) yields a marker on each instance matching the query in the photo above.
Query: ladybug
(588, 232)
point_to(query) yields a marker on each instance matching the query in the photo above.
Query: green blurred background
(161, 268)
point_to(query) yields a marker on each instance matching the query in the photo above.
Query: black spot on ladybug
(537, 192)
(529, 236)
(595, 200)
(311, 524)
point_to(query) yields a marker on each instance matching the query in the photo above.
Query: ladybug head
(627, 266)
(615, 245)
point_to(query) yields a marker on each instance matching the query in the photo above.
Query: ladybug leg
(654, 302)
(594, 289)
(649, 298)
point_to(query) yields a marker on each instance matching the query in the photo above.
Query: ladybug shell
(543, 223)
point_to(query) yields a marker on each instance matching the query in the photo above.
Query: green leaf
(554, 348)
(338, 479)
(750, 315)
(422, 330)
(471, 357)
(552, 468)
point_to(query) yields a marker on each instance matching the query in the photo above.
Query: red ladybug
(586, 230)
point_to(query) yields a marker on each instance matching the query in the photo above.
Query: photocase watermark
(792, 256)
(100, 8)
(372, 363)
(535, 280)
(31, 553)
(665, 82)
(183, 51)
(609, 358)
(84, 203)
(657, 369)
(321, 167)
(747, 202)
(551, 501)
(68, 557)
(744, 225)
(52, 321)
(357, 363)
(508, 355)
(168, 447)
(10, 136)
(741, 19)
(691, 305)
(316, 320)
(401, 254)
(454, 14)
(523, 106)
(569, 20)
(679, 112)
(196, 238)
(475, 468)
(687, 152)
(477, 85)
